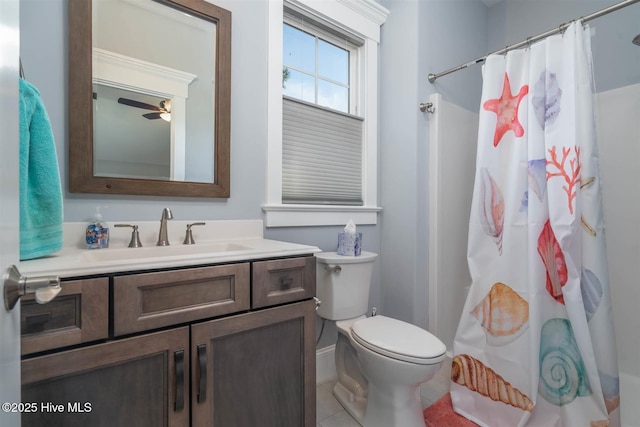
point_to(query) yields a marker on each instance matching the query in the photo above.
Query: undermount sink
(151, 252)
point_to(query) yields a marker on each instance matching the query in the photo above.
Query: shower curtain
(535, 344)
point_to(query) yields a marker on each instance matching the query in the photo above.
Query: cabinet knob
(285, 283)
(15, 285)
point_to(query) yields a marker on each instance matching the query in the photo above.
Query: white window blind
(321, 155)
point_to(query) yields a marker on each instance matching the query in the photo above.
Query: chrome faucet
(163, 240)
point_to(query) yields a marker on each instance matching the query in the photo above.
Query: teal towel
(40, 189)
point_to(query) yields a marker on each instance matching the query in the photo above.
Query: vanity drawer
(153, 300)
(80, 313)
(281, 281)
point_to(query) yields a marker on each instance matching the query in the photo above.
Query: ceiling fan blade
(136, 104)
(152, 116)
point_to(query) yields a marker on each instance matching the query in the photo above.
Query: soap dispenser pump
(97, 236)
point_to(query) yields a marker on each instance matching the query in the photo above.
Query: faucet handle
(135, 236)
(188, 238)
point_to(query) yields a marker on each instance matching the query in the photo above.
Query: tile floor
(329, 413)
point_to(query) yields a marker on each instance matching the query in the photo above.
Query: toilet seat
(398, 340)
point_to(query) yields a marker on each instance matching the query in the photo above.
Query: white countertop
(216, 242)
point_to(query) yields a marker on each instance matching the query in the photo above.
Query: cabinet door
(255, 369)
(138, 382)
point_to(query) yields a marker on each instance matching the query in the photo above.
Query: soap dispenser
(97, 236)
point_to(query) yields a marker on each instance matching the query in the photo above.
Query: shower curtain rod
(433, 77)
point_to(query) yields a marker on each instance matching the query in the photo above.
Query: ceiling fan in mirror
(162, 112)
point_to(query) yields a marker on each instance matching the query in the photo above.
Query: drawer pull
(178, 357)
(202, 368)
(286, 282)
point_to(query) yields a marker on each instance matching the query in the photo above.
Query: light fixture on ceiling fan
(162, 112)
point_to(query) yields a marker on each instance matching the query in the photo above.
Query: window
(314, 69)
(322, 155)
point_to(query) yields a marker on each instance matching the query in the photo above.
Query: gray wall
(616, 61)
(419, 37)
(44, 55)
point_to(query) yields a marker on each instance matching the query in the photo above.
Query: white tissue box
(349, 243)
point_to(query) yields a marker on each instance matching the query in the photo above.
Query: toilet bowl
(380, 361)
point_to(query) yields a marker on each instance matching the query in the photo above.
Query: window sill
(316, 215)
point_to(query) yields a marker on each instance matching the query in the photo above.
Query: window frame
(362, 19)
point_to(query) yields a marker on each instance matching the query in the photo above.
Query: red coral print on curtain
(571, 177)
(506, 107)
(553, 259)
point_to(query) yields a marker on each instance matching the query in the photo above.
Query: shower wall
(453, 133)
(619, 140)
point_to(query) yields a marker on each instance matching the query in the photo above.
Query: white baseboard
(325, 364)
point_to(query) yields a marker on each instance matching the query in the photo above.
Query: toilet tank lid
(334, 258)
(400, 338)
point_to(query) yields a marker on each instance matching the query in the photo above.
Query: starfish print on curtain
(506, 108)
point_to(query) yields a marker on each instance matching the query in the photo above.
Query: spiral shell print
(562, 371)
(491, 206)
(503, 314)
(473, 374)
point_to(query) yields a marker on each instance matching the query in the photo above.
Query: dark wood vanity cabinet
(185, 348)
(255, 369)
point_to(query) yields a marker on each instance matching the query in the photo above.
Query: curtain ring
(582, 21)
(562, 28)
(529, 42)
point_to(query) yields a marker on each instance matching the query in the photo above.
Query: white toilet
(380, 361)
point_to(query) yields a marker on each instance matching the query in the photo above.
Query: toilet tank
(342, 284)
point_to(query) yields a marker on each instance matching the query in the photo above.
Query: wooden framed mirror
(149, 97)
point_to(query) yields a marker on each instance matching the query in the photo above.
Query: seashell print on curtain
(535, 344)
(503, 314)
(562, 371)
(473, 374)
(553, 259)
(491, 208)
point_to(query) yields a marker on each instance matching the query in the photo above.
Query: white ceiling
(490, 3)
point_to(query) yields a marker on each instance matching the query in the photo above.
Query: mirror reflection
(149, 92)
(133, 142)
(158, 52)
